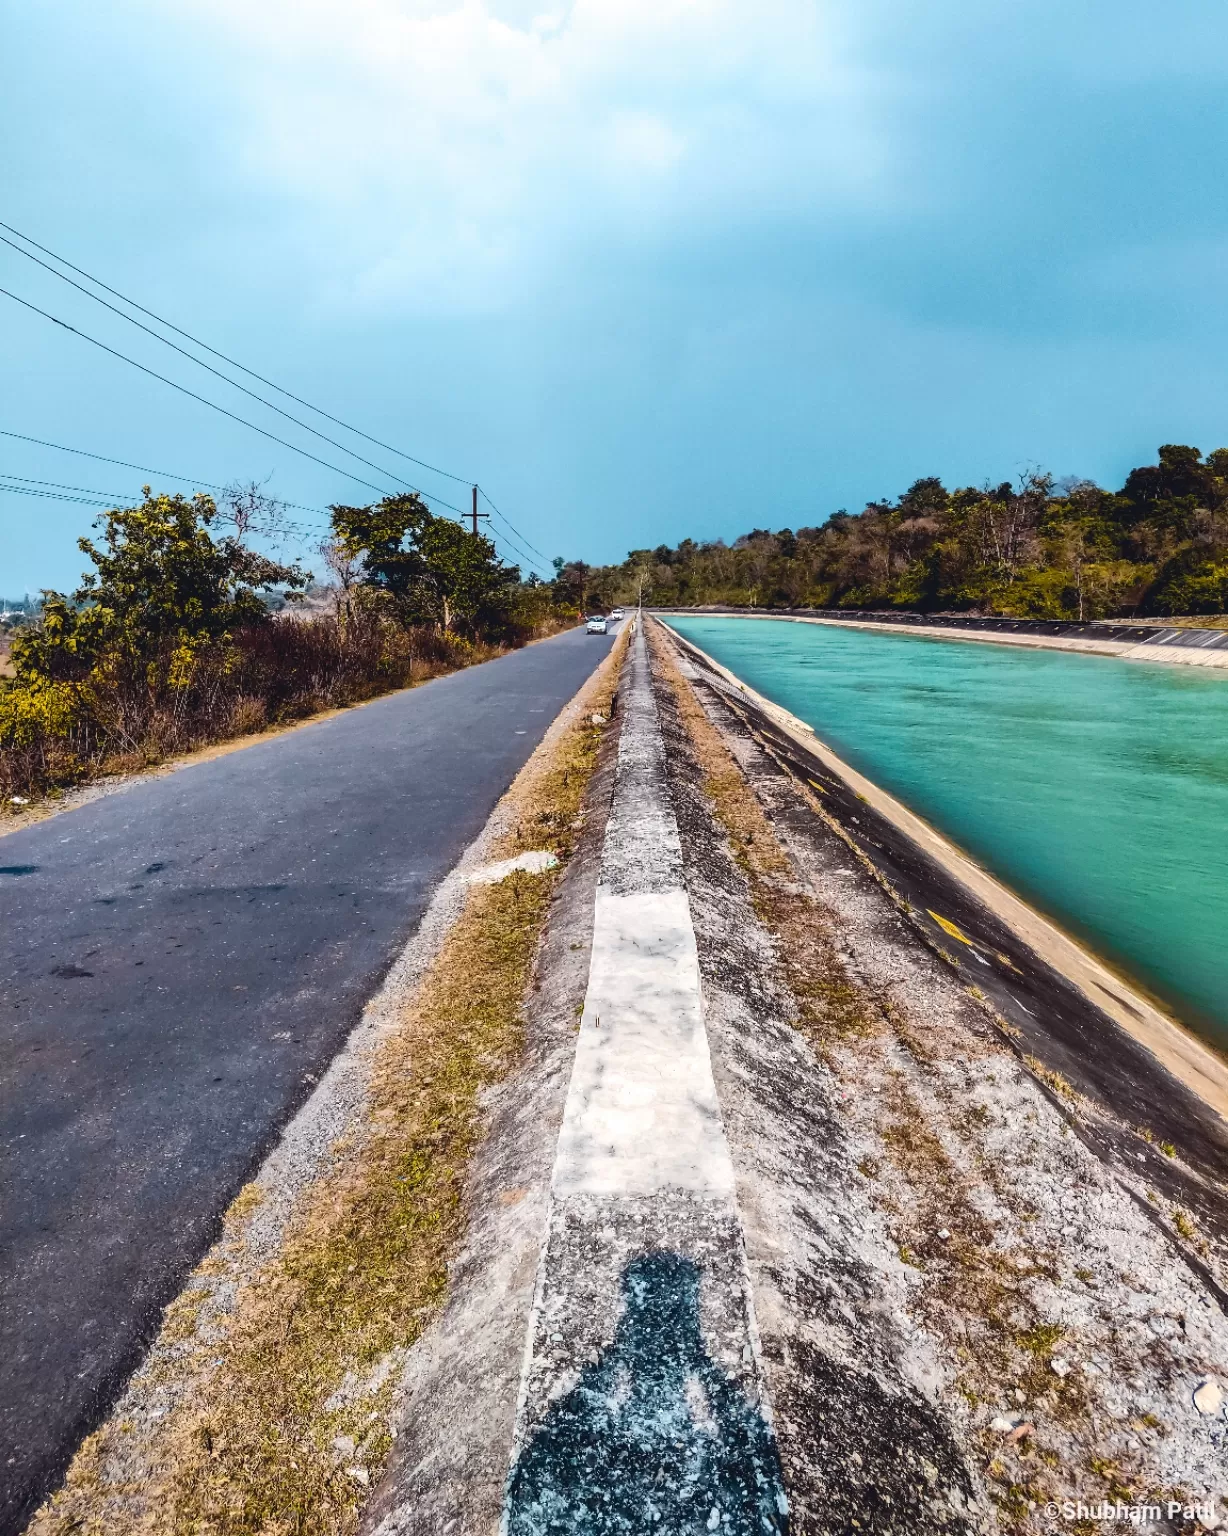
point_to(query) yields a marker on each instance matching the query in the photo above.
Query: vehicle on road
(597, 624)
(617, 613)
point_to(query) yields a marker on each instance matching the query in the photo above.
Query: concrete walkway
(641, 1398)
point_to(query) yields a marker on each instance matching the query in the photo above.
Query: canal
(1095, 788)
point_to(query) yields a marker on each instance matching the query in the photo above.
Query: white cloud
(450, 152)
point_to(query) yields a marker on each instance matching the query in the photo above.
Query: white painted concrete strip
(642, 1291)
(642, 1113)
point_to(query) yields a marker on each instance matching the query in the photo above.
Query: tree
(249, 510)
(430, 567)
(162, 589)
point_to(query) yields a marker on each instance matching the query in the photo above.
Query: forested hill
(1036, 548)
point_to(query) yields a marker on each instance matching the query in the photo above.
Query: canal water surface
(1096, 788)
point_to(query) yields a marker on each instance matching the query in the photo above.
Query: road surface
(178, 964)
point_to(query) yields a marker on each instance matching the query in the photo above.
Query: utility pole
(475, 514)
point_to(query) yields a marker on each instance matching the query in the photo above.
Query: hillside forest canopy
(1033, 548)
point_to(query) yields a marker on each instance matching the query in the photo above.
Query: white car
(616, 613)
(597, 625)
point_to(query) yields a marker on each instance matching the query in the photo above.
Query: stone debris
(1209, 1397)
(535, 862)
(1060, 1367)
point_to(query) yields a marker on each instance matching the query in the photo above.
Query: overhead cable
(59, 485)
(191, 393)
(251, 373)
(26, 490)
(527, 559)
(166, 474)
(208, 367)
(511, 525)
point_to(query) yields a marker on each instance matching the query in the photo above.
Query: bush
(169, 643)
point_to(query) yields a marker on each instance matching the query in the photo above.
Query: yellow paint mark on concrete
(948, 926)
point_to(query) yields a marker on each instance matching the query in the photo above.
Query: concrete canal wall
(1178, 646)
(1183, 1055)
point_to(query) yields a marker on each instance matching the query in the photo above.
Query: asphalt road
(178, 963)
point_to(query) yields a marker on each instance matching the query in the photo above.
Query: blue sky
(644, 268)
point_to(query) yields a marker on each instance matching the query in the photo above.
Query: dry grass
(831, 1006)
(289, 1408)
(271, 674)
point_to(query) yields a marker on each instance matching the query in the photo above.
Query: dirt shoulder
(974, 1301)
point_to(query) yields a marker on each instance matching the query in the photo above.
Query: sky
(645, 269)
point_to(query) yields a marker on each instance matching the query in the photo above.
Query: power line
(527, 559)
(59, 484)
(115, 497)
(25, 490)
(93, 498)
(192, 395)
(511, 525)
(251, 373)
(91, 491)
(196, 341)
(208, 367)
(144, 469)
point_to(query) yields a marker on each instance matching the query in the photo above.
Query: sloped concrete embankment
(971, 1307)
(1169, 644)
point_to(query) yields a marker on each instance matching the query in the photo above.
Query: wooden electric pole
(475, 514)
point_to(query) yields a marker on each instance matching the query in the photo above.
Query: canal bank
(949, 1250)
(1094, 790)
(1146, 1083)
(1168, 644)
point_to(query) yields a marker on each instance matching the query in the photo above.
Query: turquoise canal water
(1095, 788)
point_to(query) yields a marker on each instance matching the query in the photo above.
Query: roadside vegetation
(183, 633)
(1033, 549)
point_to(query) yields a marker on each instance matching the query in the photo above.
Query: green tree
(162, 590)
(431, 567)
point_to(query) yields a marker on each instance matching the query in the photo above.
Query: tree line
(1035, 548)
